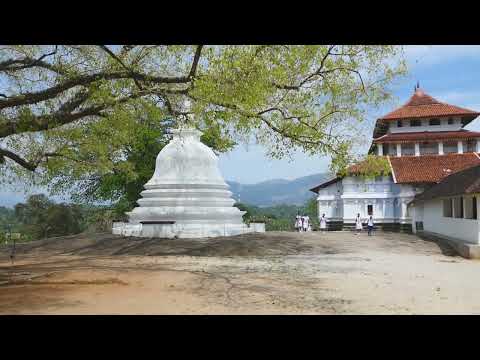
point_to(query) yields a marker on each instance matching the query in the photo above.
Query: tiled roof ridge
(419, 99)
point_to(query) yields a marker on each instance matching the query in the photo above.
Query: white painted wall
(352, 195)
(444, 126)
(330, 203)
(466, 230)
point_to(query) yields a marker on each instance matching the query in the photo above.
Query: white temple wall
(379, 193)
(467, 230)
(444, 126)
(343, 200)
(330, 203)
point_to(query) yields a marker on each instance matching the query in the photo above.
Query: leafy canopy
(85, 116)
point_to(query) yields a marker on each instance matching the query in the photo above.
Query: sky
(448, 73)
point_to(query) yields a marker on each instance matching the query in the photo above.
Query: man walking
(358, 224)
(370, 224)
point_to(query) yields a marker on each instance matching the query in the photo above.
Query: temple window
(415, 123)
(447, 208)
(450, 147)
(458, 207)
(385, 149)
(434, 122)
(428, 148)
(469, 146)
(451, 121)
(399, 123)
(474, 208)
(470, 207)
(408, 149)
(370, 209)
(391, 149)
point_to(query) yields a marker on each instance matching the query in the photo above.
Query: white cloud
(469, 99)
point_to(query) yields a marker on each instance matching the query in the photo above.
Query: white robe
(358, 224)
(306, 220)
(298, 222)
(323, 223)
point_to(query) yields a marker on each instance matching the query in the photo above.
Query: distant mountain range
(266, 193)
(277, 191)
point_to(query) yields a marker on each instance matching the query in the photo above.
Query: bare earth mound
(270, 273)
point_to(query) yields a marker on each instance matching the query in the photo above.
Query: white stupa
(187, 196)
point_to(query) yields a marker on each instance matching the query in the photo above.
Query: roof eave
(471, 116)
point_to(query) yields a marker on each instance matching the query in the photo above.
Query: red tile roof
(427, 135)
(422, 105)
(463, 182)
(430, 168)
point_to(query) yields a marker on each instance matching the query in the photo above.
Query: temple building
(423, 141)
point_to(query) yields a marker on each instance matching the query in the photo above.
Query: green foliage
(39, 217)
(286, 97)
(369, 167)
(280, 217)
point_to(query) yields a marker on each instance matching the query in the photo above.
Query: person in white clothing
(298, 223)
(358, 224)
(306, 221)
(370, 224)
(323, 223)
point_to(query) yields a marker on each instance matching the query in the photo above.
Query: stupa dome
(186, 196)
(186, 160)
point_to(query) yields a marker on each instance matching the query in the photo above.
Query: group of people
(302, 223)
(359, 224)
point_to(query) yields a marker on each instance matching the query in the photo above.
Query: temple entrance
(370, 210)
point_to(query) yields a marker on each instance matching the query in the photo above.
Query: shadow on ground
(109, 245)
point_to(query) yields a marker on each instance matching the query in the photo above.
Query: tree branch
(52, 92)
(196, 58)
(116, 58)
(59, 118)
(19, 160)
(27, 62)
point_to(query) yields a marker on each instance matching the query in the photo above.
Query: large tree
(71, 112)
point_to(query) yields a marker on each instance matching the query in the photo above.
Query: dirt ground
(271, 273)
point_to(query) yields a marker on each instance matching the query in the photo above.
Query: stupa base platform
(184, 230)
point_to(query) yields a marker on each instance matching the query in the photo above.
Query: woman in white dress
(323, 223)
(306, 221)
(298, 223)
(358, 224)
